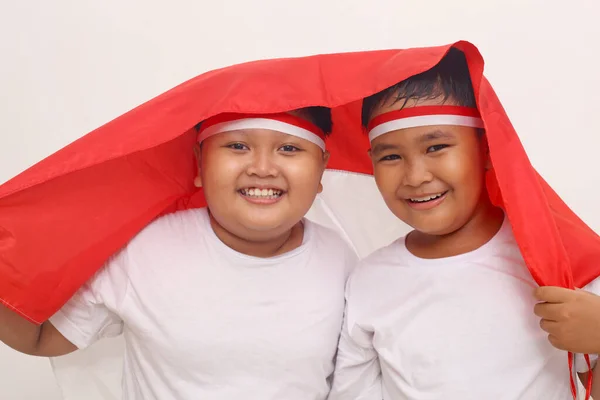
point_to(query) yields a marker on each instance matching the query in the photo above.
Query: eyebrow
(427, 137)
(435, 135)
(381, 147)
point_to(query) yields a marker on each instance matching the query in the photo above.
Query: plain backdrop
(68, 66)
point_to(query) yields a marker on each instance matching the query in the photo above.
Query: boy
(243, 299)
(445, 312)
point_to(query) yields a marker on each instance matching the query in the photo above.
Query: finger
(553, 294)
(549, 311)
(549, 326)
(555, 342)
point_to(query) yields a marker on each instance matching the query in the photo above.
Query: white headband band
(424, 116)
(291, 126)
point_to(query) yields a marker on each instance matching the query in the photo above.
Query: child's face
(431, 177)
(259, 183)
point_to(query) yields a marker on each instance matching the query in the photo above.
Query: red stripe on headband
(422, 111)
(281, 117)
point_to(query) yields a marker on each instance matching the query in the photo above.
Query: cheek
(387, 180)
(463, 170)
(302, 175)
(220, 171)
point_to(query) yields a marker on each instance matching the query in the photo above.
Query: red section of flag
(61, 219)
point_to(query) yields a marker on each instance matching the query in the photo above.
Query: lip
(261, 186)
(262, 201)
(428, 205)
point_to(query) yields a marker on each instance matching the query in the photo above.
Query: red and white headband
(284, 123)
(424, 116)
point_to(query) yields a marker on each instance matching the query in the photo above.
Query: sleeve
(93, 312)
(580, 363)
(357, 374)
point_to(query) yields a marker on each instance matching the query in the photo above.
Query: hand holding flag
(570, 317)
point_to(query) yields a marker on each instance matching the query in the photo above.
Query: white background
(68, 66)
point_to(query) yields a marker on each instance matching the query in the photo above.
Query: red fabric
(61, 219)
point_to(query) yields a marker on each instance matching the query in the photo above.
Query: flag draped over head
(63, 218)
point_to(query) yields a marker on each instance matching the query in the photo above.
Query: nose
(262, 164)
(416, 173)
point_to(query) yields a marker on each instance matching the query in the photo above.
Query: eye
(437, 147)
(237, 146)
(288, 148)
(390, 157)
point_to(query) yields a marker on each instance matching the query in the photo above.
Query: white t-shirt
(202, 321)
(461, 327)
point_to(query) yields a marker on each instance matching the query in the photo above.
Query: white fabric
(262, 123)
(200, 320)
(424, 120)
(455, 328)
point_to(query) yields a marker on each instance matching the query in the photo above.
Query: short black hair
(449, 79)
(318, 115)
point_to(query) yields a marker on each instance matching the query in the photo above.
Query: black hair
(449, 79)
(318, 115)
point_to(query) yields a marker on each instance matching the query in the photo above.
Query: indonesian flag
(64, 217)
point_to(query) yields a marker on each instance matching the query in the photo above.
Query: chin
(265, 227)
(434, 228)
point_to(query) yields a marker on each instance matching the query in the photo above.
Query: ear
(370, 153)
(198, 154)
(326, 156)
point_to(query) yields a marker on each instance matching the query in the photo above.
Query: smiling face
(431, 177)
(259, 183)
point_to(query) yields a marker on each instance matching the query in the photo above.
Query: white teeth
(261, 193)
(426, 198)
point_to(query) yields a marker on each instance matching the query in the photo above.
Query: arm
(357, 373)
(85, 318)
(26, 337)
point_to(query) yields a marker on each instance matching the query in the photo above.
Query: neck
(480, 229)
(266, 248)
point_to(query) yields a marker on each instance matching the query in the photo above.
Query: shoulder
(371, 270)
(174, 229)
(171, 231)
(179, 223)
(331, 244)
(326, 235)
(392, 254)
